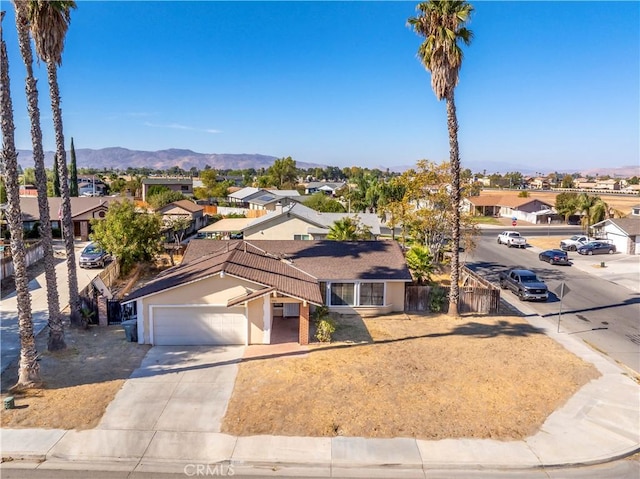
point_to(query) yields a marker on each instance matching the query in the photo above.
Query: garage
(198, 325)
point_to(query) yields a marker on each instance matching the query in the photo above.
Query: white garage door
(198, 325)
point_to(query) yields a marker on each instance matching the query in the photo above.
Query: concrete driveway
(176, 388)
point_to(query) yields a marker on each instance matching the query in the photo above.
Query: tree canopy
(127, 234)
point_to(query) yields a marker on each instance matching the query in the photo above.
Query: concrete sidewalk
(176, 433)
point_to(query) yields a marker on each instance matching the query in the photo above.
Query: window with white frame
(342, 294)
(353, 294)
(302, 237)
(371, 294)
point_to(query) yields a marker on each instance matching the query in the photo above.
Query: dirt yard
(429, 377)
(80, 381)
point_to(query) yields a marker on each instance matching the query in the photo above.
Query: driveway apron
(176, 388)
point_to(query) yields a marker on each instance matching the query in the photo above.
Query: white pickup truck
(512, 239)
(573, 243)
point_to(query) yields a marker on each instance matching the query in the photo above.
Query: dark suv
(93, 256)
(597, 247)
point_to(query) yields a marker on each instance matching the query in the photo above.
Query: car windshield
(92, 249)
(529, 279)
(574, 238)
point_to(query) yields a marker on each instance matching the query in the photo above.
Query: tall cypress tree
(56, 177)
(73, 173)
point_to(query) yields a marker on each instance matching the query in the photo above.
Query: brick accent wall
(304, 324)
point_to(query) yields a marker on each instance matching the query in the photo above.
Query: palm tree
(49, 22)
(442, 24)
(586, 204)
(28, 370)
(56, 332)
(348, 229)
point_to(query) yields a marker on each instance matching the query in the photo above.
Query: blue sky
(544, 85)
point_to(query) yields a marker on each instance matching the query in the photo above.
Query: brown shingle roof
(186, 205)
(326, 260)
(241, 260)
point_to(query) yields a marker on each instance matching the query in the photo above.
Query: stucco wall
(214, 290)
(281, 228)
(395, 296)
(256, 320)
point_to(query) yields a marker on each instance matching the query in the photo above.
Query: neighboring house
(224, 229)
(83, 210)
(611, 184)
(237, 292)
(632, 189)
(260, 198)
(186, 209)
(328, 188)
(181, 185)
(623, 232)
(540, 183)
(299, 222)
(525, 209)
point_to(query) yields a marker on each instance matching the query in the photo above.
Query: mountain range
(123, 158)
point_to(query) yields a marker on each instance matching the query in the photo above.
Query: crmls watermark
(200, 470)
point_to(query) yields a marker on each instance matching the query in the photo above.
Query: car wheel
(503, 285)
(573, 248)
(610, 251)
(520, 296)
(551, 261)
(590, 253)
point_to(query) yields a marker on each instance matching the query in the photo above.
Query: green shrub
(325, 325)
(437, 298)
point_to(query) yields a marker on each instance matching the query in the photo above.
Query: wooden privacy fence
(477, 295)
(89, 295)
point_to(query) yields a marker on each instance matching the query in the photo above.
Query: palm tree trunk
(56, 331)
(67, 224)
(28, 370)
(454, 157)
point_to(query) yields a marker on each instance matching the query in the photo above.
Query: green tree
(393, 203)
(127, 234)
(420, 262)
(73, 173)
(178, 226)
(283, 173)
(28, 369)
(49, 22)
(349, 229)
(442, 24)
(164, 197)
(567, 181)
(56, 339)
(566, 204)
(323, 203)
(209, 178)
(586, 204)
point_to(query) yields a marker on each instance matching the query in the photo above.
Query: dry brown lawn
(79, 382)
(430, 377)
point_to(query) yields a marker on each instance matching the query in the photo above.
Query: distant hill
(122, 158)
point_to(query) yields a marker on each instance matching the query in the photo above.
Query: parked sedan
(554, 256)
(93, 256)
(597, 247)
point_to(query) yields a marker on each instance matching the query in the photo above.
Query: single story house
(260, 198)
(326, 187)
(237, 292)
(299, 222)
(83, 210)
(623, 232)
(524, 209)
(184, 209)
